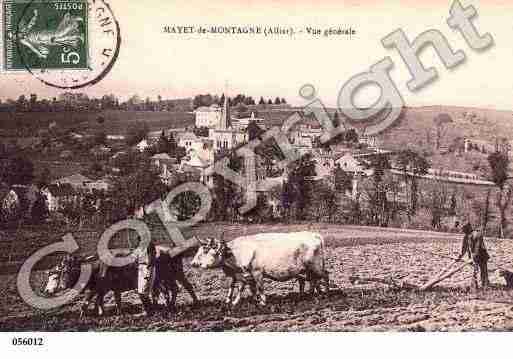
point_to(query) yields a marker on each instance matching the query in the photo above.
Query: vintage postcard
(242, 166)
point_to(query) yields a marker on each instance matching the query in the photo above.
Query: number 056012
(32, 341)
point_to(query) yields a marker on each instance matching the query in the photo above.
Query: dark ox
(277, 256)
(104, 278)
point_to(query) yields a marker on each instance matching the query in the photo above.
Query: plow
(399, 283)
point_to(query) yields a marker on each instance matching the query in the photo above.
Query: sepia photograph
(242, 166)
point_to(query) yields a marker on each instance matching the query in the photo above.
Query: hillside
(485, 124)
(115, 122)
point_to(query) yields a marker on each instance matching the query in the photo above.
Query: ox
(105, 278)
(277, 256)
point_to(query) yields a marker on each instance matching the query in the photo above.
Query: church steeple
(226, 121)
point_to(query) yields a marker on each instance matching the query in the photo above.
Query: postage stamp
(45, 35)
(64, 43)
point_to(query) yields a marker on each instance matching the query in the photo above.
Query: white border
(261, 345)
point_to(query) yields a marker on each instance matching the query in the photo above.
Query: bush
(136, 133)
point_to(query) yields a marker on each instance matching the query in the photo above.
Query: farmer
(467, 231)
(146, 274)
(480, 258)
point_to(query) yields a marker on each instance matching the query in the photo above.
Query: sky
(153, 63)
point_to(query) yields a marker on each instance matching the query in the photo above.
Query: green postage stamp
(45, 35)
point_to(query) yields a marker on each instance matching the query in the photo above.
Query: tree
(277, 101)
(270, 102)
(351, 135)
(137, 132)
(140, 188)
(172, 145)
(180, 153)
(39, 209)
(499, 165)
(283, 100)
(159, 101)
(17, 170)
(336, 119)
(44, 177)
(254, 131)
(129, 162)
(134, 103)
(227, 196)
(262, 101)
(324, 203)
(342, 179)
(380, 164)
(21, 103)
(453, 205)
(441, 121)
(203, 100)
(412, 165)
(33, 102)
(166, 144)
(377, 191)
(300, 178)
(438, 198)
(108, 101)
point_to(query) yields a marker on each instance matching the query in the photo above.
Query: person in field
(465, 247)
(480, 258)
(146, 258)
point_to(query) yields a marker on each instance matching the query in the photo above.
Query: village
(347, 173)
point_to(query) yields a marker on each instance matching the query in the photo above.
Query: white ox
(277, 256)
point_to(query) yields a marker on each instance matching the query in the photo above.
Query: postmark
(65, 44)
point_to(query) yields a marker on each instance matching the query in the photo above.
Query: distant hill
(468, 122)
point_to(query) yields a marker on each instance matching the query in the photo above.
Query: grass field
(413, 256)
(116, 122)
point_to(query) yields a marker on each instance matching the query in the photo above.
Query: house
(371, 141)
(304, 133)
(58, 195)
(102, 185)
(195, 164)
(243, 123)
(142, 146)
(27, 196)
(324, 163)
(115, 137)
(100, 151)
(188, 140)
(161, 157)
(164, 163)
(118, 154)
(76, 136)
(351, 164)
(66, 154)
(209, 117)
(76, 181)
(9, 203)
